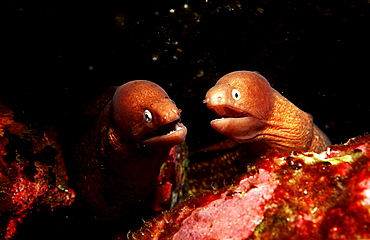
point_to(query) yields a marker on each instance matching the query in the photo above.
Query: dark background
(58, 56)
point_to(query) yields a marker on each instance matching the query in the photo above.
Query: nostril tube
(217, 98)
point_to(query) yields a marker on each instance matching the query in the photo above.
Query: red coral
(26, 182)
(171, 179)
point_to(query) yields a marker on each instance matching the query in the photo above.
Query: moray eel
(120, 157)
(252, 111)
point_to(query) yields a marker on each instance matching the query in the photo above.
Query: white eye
(236, 94)
(147, 116)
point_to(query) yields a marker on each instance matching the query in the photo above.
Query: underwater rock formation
(295, 196)
(32, 172)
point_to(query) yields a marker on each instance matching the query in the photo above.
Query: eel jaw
(236, 124)
(227, 111)
(167, 135)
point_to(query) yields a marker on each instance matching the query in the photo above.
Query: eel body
(250, 110)
(120, 158)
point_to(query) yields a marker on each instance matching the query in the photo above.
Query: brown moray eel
(252, 111)
(120, 158)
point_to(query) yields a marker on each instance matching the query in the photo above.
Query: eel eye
(147, 116)
(236, 94)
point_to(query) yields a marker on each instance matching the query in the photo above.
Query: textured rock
(32, 172)
(298, 196)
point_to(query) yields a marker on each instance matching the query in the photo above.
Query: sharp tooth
(177, 127)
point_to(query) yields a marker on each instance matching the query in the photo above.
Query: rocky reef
(32, 172)
(277, 196)
(298, 196)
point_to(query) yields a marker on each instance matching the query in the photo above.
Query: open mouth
(227, 112)
(171, 133)
(166, 129)
(238, 125)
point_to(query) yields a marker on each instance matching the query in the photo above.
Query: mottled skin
(252, 111)
(120, 158)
